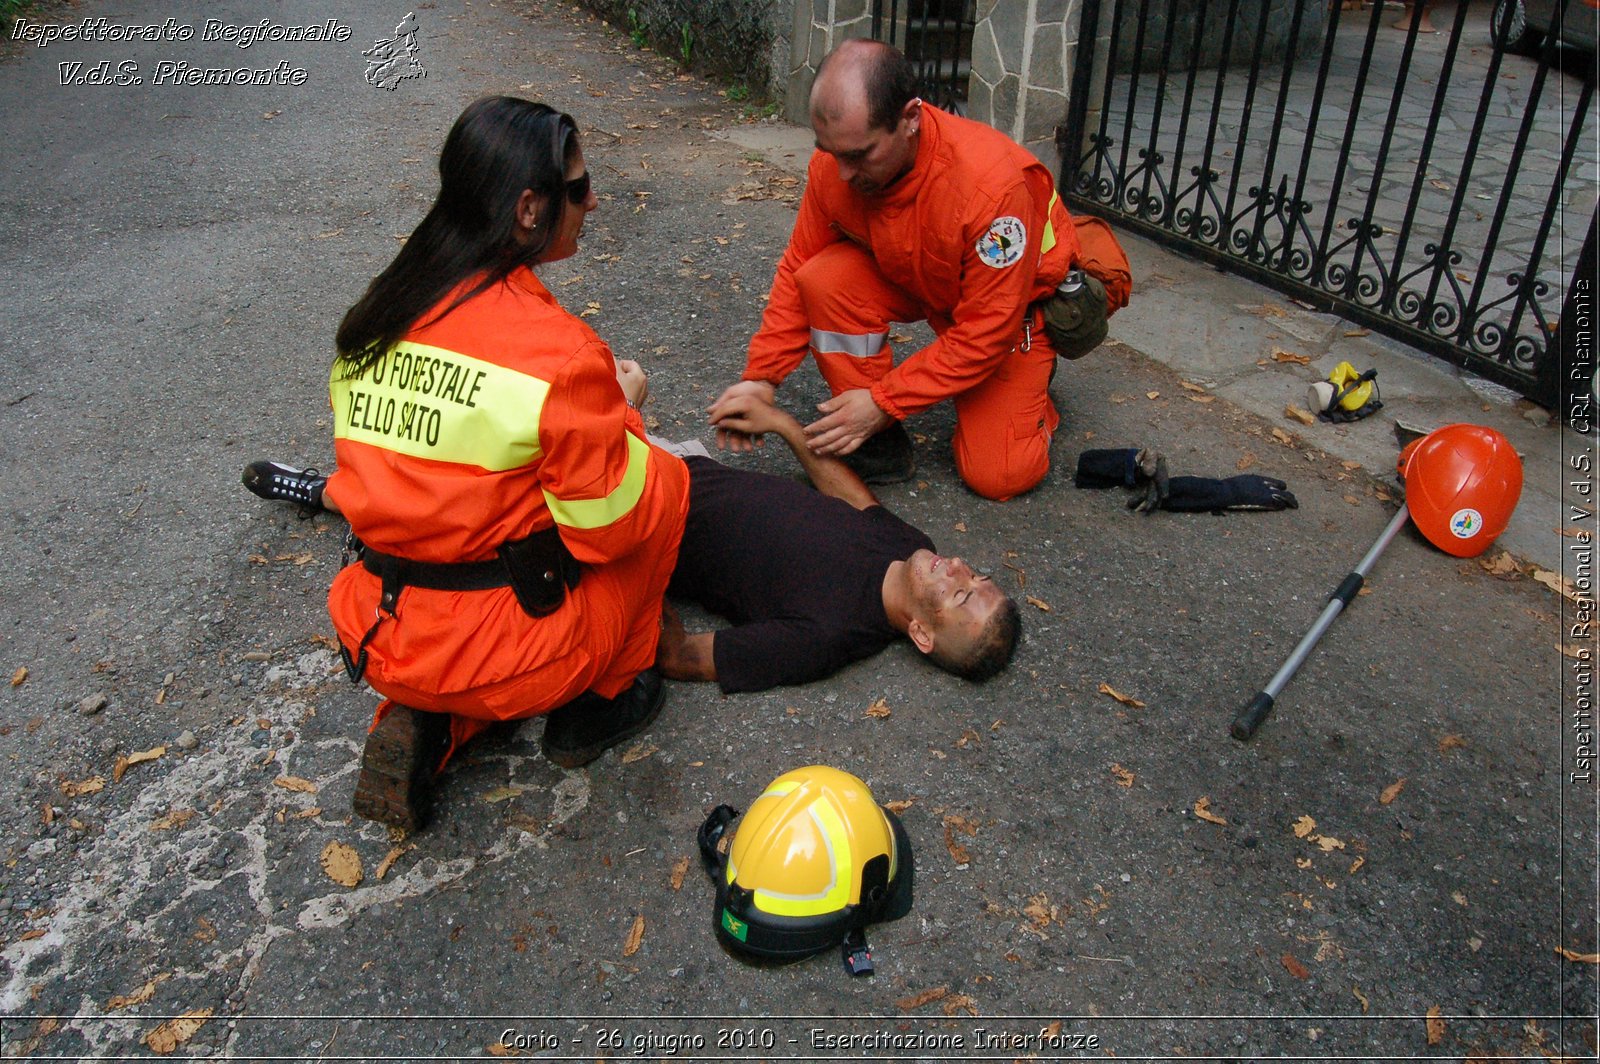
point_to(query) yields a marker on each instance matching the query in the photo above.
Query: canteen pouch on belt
(540, 569)
(1075, 315)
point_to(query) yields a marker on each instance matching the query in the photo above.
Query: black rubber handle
(1246, 723)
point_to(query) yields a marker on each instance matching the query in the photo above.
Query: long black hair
(499, 146)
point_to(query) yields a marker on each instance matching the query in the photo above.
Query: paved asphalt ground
(1096, 859)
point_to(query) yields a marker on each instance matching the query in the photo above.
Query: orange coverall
(482, 427)
(967, 240)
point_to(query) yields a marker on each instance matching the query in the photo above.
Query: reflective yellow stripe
(1049, 240)
(597, 513)
(429, 402)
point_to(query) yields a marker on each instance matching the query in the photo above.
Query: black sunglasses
(578, 189)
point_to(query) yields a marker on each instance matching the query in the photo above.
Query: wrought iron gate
(1430, 186)
(936, 35)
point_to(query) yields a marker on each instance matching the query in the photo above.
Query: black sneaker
(885, 458)
(399, 765)
(583, 729)
(276, 481)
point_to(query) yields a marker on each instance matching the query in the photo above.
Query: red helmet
(1462, 483)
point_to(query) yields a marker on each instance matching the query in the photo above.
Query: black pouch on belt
(541, 570)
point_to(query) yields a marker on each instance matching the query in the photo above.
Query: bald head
(865, 80)
(866, 115)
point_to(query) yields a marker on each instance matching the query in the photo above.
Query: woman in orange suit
(516, 531)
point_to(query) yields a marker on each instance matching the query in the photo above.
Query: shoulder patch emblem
(1004, 243)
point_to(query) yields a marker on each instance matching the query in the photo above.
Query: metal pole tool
(1246, 723)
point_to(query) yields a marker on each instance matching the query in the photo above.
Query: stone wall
(1198, 42)
(818, 26)
(744, 41)
(1022, 58)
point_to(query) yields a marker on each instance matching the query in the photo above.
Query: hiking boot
(285, 483)
(583, 729)
(398, 767)
(885, 458)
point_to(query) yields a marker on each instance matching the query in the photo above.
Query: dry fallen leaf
(1328, 843)
(1304, 826)
(635, 936)
(1123, 776)
(1502, 564)
(1557, 583)
(1038, 605)
(899, 806)
(503, 794)
(918, 1000)
(1245, 462)
(500, 1049)
(139, 996)
(342, 864)
(176, 1031)
(146, 755)
(958, 852)
(295, 783)
(394, 854)
(1305, 417)
(1040, 911)
(1152, 395)
(19, 676)
(1283, 437)
(1391, 792)
(1580, 958)
(76, 789)
(1191, 386)
(959, 1003)
(679, 870)
(1302, 862)
(638, 752)
(1356, 867)
(1458, 897)
(879, 710)
(1576, 651)
(1366, 1006)
(1127, 700)
(1202, 809)
(1451, 742)
(1294, 967)
(1435, 1027)
(175, 819)
(1280, 355)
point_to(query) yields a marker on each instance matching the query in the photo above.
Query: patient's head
(959, 618)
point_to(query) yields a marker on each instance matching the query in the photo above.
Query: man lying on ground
(812, 578)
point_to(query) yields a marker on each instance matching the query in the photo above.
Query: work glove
(1247, 491)
(1127, 467)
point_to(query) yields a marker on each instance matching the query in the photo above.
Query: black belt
(436, 576)
(539, 570)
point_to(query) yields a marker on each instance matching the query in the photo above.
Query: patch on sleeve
(1004, 243)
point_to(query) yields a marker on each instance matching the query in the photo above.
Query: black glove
(1247, 491)
(1126, 467)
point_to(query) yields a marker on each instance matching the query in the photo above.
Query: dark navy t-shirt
(799, 573)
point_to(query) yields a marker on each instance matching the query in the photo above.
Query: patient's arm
(752, 415)
(681, 656)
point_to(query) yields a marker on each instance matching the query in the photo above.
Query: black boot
(885, 458)
(285, 483)
(583, 729)
(399, 765)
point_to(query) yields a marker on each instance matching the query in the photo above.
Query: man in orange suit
(911, 213)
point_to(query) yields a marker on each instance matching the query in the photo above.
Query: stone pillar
(1022, 52)
(819, 25)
